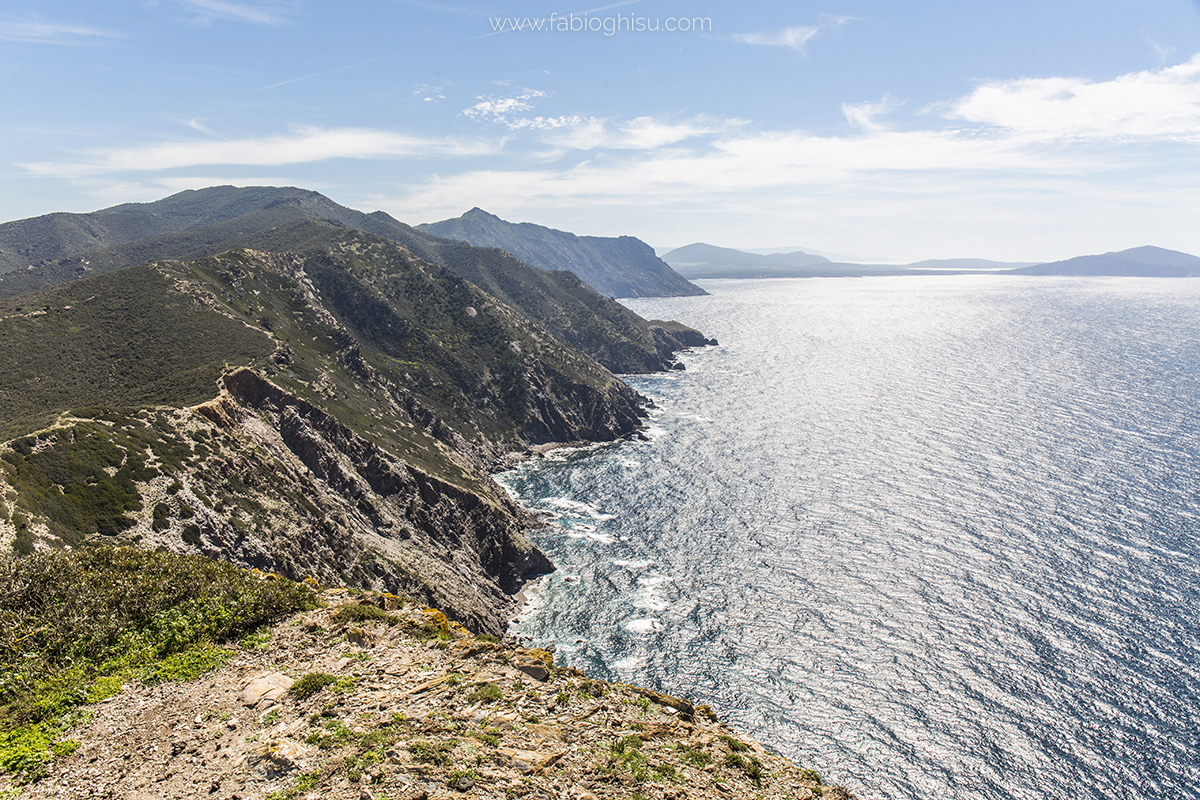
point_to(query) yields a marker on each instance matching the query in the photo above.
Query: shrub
(75, 624)
(437, 753)
(487, 693)
(735, 745)
(310, 684)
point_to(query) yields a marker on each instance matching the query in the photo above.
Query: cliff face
(349, 439)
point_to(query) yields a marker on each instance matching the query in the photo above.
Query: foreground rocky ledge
(371, 698)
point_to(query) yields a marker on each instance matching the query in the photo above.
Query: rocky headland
(370, 696)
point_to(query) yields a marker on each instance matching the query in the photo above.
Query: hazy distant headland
(699, 261)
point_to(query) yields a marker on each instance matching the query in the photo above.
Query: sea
(932, 536)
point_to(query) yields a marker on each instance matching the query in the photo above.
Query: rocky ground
(370, 698)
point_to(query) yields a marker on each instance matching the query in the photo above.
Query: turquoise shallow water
(930, 536)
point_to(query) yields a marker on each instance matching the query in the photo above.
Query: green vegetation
(735, 745)
(748, 764)
(300, 784)
(697, 758)
(75, 625)
(628, 751)
(487, 693)
(334, 734)
(122, 340)
(437, 753)
(310, 684)
(81, 479)
(360, 612)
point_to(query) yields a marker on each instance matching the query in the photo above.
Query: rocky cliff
(333, 413)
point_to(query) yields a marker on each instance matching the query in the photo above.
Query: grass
(437, 753)
(75, 625)
(301, 784)
(487, 693)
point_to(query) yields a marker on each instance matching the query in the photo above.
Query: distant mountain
(701, 260)
(197, 223)
(38, 242)
(618, 267)
(1144, 262)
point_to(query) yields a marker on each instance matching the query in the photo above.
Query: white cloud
(50, 33)
(795, 37)
(578, 132)
(306, 145)
(1159, 104)
(491, 108)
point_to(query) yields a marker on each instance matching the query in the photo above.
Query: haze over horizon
(1019, 132)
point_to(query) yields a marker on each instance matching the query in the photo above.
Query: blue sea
(931, 536)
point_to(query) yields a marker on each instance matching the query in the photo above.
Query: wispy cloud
(432, 93)
(51, 33)
(863, 115)
(305, 145)
(195, 124)
(795, 37)
(443, 8)
(314, 75)
(607, 7)
(641, 133)
(239, 12)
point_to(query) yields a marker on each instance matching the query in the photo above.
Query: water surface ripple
(930, 536)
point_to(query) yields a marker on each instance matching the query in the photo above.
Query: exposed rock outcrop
(409, 706)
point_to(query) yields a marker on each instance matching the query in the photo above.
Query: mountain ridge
(223, 218)
(622, 266)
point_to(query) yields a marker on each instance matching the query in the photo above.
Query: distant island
(699, 260)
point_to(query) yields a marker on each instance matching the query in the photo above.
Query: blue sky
(880, 130)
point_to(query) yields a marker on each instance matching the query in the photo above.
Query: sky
(871, 130)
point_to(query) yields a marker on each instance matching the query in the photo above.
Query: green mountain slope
(198, 223)
(615, 266)
(332, 411)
